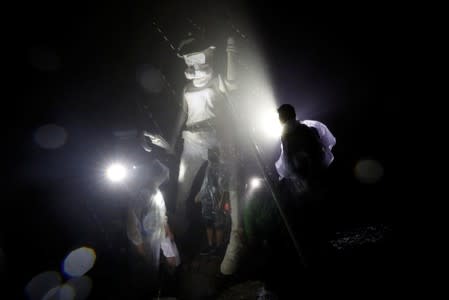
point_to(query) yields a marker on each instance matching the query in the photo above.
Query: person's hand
(171, 236)
(169, 233)
(197, 198)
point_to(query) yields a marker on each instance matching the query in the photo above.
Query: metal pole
(273, 189)
(231, 77)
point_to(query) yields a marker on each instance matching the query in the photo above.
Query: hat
(195, 51)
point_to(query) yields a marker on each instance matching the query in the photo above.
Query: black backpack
(303, 147)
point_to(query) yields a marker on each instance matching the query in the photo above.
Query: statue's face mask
(198, 66)
(198, 72)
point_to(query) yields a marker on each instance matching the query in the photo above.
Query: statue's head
(199, 61)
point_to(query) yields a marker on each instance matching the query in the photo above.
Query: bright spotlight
(255, 182)
(116, 172)
(270, 124)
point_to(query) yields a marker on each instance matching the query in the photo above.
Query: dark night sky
(350, 57)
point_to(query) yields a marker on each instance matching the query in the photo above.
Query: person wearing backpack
(302, 160)
(305, 155)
